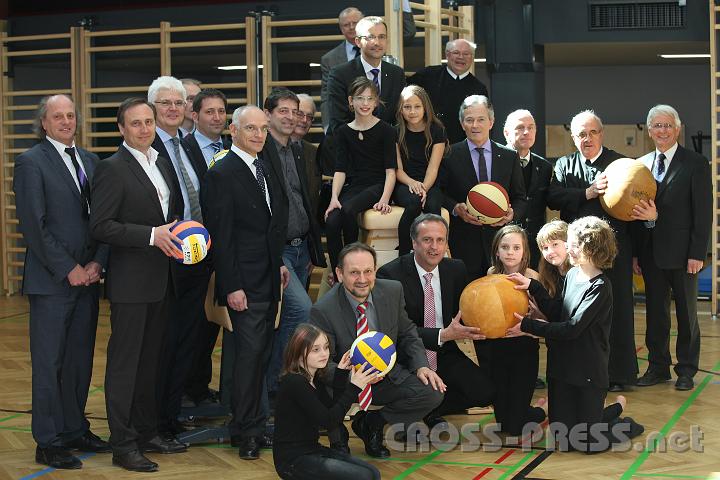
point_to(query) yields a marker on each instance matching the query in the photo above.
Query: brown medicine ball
(629, 181)
(488, 303)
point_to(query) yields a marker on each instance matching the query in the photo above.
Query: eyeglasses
(662, 126)
(372, 38)
(170, 103)
(458, 53)
(255, 129)
(584, 135)
(302, 115)
(361, 99)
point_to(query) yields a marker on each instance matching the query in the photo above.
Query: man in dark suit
(246, 207)
(134, 196)
(577, 183)
(306, 114)
(210, 117)
(303, 247)
(190, 282)
(359, 303)
(62, 270)
(371, 38)
(519, 131)
(478, 159)
(432, 284)
(673, 248)
(448, 85)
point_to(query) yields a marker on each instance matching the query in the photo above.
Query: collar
(669, 153)
(150, 157)
(592, 160)
(455, 75)
(204, 141)
(487, 146)
(165, 136)
(277, 143)
(349, 48)
(59, 146)
(369, 67)
(353, 302)
(246, 157)
(421, 271)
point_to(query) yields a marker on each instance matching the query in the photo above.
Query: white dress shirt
(652, 163)
(455, 76)
(60, 147)
(435, 283)
(369, 74)
(249, 159)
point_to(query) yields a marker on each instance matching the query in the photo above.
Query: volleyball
(195, 242)
(488, 202)
(374, 348)
(488, 303)
(629, 181)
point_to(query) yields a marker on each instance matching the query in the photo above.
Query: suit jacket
(333, 58)
(684, 204)
(391, 84)
(125, 208)
(453, 279)
(335, 316)
(192, 148)
(536, 196)
(248, 238)
(53, 219)
(314, 243)
(312, 167)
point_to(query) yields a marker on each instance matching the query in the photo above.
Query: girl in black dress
(303, 406)
(421, 146)
(364, 169)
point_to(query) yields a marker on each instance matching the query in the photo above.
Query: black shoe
(684, 382)
(652, 378)
(616, 387)
(135, 461)
(341, 447)
(158, 444)
(57, 457)
(249, 448)
(264, 441)
(433, 420)
(89, 442)
(540, 384)
(371, 435)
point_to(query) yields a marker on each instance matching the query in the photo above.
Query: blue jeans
(295, 307)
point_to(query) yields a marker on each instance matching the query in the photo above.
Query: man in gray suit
(356, 304)
(62, 270)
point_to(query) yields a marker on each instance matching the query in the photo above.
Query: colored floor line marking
(47, 470)
(11, 417)
(666, 428)
(516, 466)
(17, 429)
(533, 465)
(496, 462)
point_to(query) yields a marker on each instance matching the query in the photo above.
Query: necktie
(430, 320)
(216, 146)
(481, 168)
(260, 176)
(660, 167)
(356, 49)
(376, 79)
(82, 179)
(365, 397)
(195, 212)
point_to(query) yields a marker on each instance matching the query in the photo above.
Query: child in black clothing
(579, 328)
(303, 406)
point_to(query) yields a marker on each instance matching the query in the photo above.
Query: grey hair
(453, 43)
(305, 96)
(585, 113)
(473, 100)
(41, 112)
(240, 111)
(426, 217)
(348, 11)
(191, 81)
(165, 83)
(662, 109)
(513, 116)
(366, 23)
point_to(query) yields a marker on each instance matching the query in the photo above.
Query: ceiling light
(235, 67)
(684, 55)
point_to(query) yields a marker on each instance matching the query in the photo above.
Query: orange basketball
(488, 202)
(488, 303)
(629, 181)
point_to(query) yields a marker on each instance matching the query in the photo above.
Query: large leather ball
(488, 303)
(488, 202)
(629, 181)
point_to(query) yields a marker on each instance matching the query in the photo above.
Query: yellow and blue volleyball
(376, 349)
(195, 242)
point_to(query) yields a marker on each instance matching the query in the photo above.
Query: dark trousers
(413, 208)
(328, 464)
(341, 227)
(622, 362)
(658, 283)
(471, 244)
(133, 357)
(62, 342)
(253, 331)
(468, 385)
(407, 401)
(181, 338)
(200, 375)
(570, 406)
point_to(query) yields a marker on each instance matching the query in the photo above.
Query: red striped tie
(365, 397)
(429, 321)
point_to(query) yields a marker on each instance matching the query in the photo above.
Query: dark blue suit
(63, 319)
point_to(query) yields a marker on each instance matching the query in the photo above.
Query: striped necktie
(429, 320)
(365, 397)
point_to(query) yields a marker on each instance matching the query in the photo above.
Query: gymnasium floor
(669, 416)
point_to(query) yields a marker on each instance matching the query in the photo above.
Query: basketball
(629, 181)
(488, 202)
(374, 348)
(195, 242)
(488, 303)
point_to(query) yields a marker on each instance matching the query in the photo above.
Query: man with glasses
(371, 38)
(246, 212)
(577, 183)
(673, 248)
(306, 114)
(448, 85)
(189, 281)
(303, 248)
